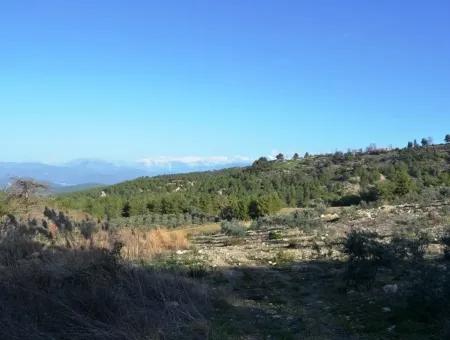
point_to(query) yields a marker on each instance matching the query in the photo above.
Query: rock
(386, 309)
(390, 289)
(181, 252)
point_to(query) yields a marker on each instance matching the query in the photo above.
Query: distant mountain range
(85, 173)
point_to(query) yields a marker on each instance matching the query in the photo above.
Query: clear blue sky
(125, 80)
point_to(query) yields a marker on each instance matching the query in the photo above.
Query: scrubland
(328, 273)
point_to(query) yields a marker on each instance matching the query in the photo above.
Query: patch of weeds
(188, 266)
(275, 235)
(306, 220)
(283, 258)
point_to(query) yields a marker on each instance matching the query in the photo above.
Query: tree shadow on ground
(60, 293)
(403, 298)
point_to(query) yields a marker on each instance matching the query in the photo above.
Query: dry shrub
(93, 294)
(144, 244)
(77, 286)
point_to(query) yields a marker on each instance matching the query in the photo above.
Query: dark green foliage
(403, 183)
(263, 206)
(261, 162)
(126, 210)
(264, 187)
(280, 157)
(447, 138)
(306, 220)
(362, 245)
(368, 252)
(424, 142)
(235, 209)
(347, 201)
(274, 235)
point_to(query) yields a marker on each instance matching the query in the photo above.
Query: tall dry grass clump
(69, 287)
(145, 244)
(136, 243)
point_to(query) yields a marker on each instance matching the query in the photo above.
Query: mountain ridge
(85, 172)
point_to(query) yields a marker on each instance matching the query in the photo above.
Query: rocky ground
(287, 283)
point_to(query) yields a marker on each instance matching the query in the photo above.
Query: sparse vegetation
(141, 261)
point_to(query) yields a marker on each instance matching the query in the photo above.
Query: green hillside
(399, 175)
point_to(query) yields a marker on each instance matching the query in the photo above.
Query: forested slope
(410, 174)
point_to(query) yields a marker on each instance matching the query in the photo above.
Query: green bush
(233, 228)
(306, 220)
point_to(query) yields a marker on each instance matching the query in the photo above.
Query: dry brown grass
(137, 244)
(51, 292)
(145, 244)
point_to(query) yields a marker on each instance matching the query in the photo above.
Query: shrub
(48, 291)
(232, 228)
(363, 245)
(273, 235)
(307, 220)
(445, 240)
(365, 253)
(90, 295)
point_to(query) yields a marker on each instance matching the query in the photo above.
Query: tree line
(266, 186)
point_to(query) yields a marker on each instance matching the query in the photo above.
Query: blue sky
(128, 80)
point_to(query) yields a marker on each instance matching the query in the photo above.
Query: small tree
(280, 157)
(447, 138)
(306, 155)
(126, 210)
(424, 142)
(297, 156)
(403, 183)
(24, 190)
(410, 145)
(260, 162)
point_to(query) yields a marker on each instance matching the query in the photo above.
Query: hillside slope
(334, 179)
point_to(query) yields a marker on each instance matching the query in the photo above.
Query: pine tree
(280, 157)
